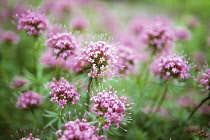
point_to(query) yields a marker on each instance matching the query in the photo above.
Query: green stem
(162, 98)
(201, 103)
(34, 118)
(88, 92)
(57, 74)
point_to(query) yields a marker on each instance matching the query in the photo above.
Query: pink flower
(170, 66)
(29, 100)
(158, 34)
(18, 82)
(79, 23)
(63, 44)
(30, 138)
(48, 59)
(127, 60)
(34, 23)
(182, 34)
(63, 93)
(76, 130)
(9, 37)
(108, 105)
(186, 102)
(138, 24)
(99, 59)
(204, 79)
(205, 109)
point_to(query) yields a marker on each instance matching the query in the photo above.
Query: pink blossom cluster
(170, 66)
(109, 106)
(127, 60)
(18, 82)
(30, 138)
(48, 59)
(158, 34)
(63, 44)
(99, 59)
(138, 24)
(182, 34)
(79, 23)
(186, 102)
(76, 130)
(29, 100)
(33, 22)
(204, 79)
(63, 93)
(9, 37)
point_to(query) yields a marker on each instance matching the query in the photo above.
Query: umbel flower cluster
(108, 105)
(33, 22)
(63, 93)
(29, 100)
(204, 79)
(63, 44)
(170, 66)
(158, 34)
(99, 57)
(30, 138)
(76, 130)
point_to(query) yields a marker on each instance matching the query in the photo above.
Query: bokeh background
(111, 17)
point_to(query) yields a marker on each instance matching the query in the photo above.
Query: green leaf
(51, 122)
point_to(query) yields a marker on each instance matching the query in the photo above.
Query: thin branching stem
(88, 92)
(201, 103)
(162, 97)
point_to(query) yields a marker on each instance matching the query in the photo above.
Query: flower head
(79, 130)
(170, 66)
(9, 37)
(33, 22)
(204, 79)
(182, 34)
(79, 23)
(18, 82)
(29, 100)
(49, 60)
(63, 44)
(99, 59)
(63, 93)
(158, 34)
(30, 138)
(109, 106)
(127, 60)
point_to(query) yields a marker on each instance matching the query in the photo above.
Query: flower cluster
(63, 93)
(79, 23)
(158, 34)
(127, 60)
(49, 60)
(109, 106)
(137, 25)
(182, 34)
(170, 66)
(9, 37)
(18, 82)
(76, 130)
(33, 22)
(30, 138)
(99, 59)
(204, 79)
(29, 100)
(63, 44)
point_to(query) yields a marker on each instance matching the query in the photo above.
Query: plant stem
(57, 75)
(162, 98)
(34, 118)
(88, 92)
(201, 103)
